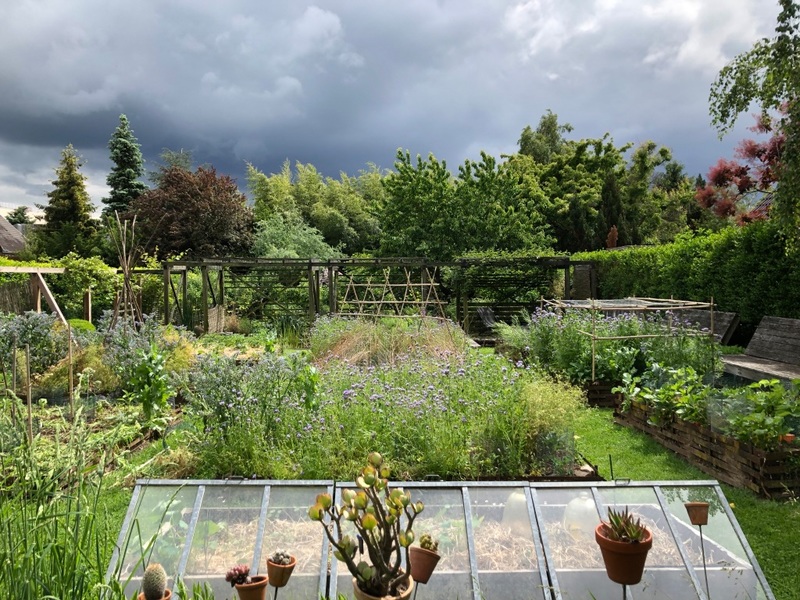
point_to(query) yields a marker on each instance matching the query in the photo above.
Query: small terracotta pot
(423, 562)
(624, 560)
(360, 595)
(788, 438)
(167, 595)
(698, 512)
(279, 574)
(256, 590)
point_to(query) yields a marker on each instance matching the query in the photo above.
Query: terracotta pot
(167, 595)
(279, 574)
(624, 560)
(256, 590)
(698, 512)
(360, 595)
(787, 438)
(423, 562)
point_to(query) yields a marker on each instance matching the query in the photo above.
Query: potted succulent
(279, 568)
(249, 587)
(424, 558)
(624, 543)
(154, 583)
(382, 518)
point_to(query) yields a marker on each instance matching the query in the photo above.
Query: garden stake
(29, 393)
(703, 554)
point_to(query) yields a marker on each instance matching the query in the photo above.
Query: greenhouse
(497, 540)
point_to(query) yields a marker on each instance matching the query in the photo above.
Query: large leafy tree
(194, 213)
(68, 214)
(769, 74)
(341, 210)
(124, 178)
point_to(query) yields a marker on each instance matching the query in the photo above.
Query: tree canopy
(769, 75)
(194, 213)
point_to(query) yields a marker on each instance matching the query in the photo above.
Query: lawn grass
(770, 527)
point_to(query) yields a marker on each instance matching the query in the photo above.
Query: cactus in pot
(154, 583)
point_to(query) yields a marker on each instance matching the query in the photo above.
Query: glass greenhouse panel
(728, 571)
(497, 540)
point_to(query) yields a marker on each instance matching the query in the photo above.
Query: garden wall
(774, 475)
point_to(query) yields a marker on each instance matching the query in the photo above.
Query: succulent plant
(281, 557)
(154, 582)
(428, 542)
(382, 517)
(240, 574)
(622, 527)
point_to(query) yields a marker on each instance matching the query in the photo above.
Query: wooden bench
(724, 322)
(773, 353)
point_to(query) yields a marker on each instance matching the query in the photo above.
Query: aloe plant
(623, 527)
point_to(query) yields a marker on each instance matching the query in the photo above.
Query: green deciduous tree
(769, 74)
(198, 214)
(127, 170)
(68, 214)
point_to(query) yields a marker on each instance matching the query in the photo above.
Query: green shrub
(744, 269)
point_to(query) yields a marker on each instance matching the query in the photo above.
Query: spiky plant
(154, 582)
(623, 527)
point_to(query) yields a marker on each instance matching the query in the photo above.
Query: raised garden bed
(775, 474)
(599, 394)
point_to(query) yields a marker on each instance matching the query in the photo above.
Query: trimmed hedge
(746, 270)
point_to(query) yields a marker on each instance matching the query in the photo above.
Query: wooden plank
(724, 322)
(32, 270)
(778, 339)
(48, 296)
(755, 368)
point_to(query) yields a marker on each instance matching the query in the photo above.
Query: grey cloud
(340, 84)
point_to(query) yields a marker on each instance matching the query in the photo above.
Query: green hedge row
(746, 270)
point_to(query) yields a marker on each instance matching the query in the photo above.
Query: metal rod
(703, 554)
(624, 591)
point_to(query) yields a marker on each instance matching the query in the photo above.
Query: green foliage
(42, 332)
(623, 526)
(561, 344)
(68, 213)
(769, 74)
(758, 413)
(746, 270)
(149, 384)
(127, 170)
(82, 274)
(19, 216)
(424, 405)
(286, 235)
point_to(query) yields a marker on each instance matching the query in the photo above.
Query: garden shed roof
(11, 239)
(497, 539)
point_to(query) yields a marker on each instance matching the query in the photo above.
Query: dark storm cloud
(340, 84)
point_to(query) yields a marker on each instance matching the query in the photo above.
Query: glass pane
(504, 544)
(225, 534)
(157, 532)
(289, 528)
(665, 574)
(729, 572)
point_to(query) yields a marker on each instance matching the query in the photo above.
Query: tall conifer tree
(68, 213)
(128, 167)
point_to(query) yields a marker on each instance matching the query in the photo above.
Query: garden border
(774, 475)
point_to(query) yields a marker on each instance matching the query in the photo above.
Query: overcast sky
(340, 84)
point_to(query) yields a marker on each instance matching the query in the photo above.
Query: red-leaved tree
(742, 189)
